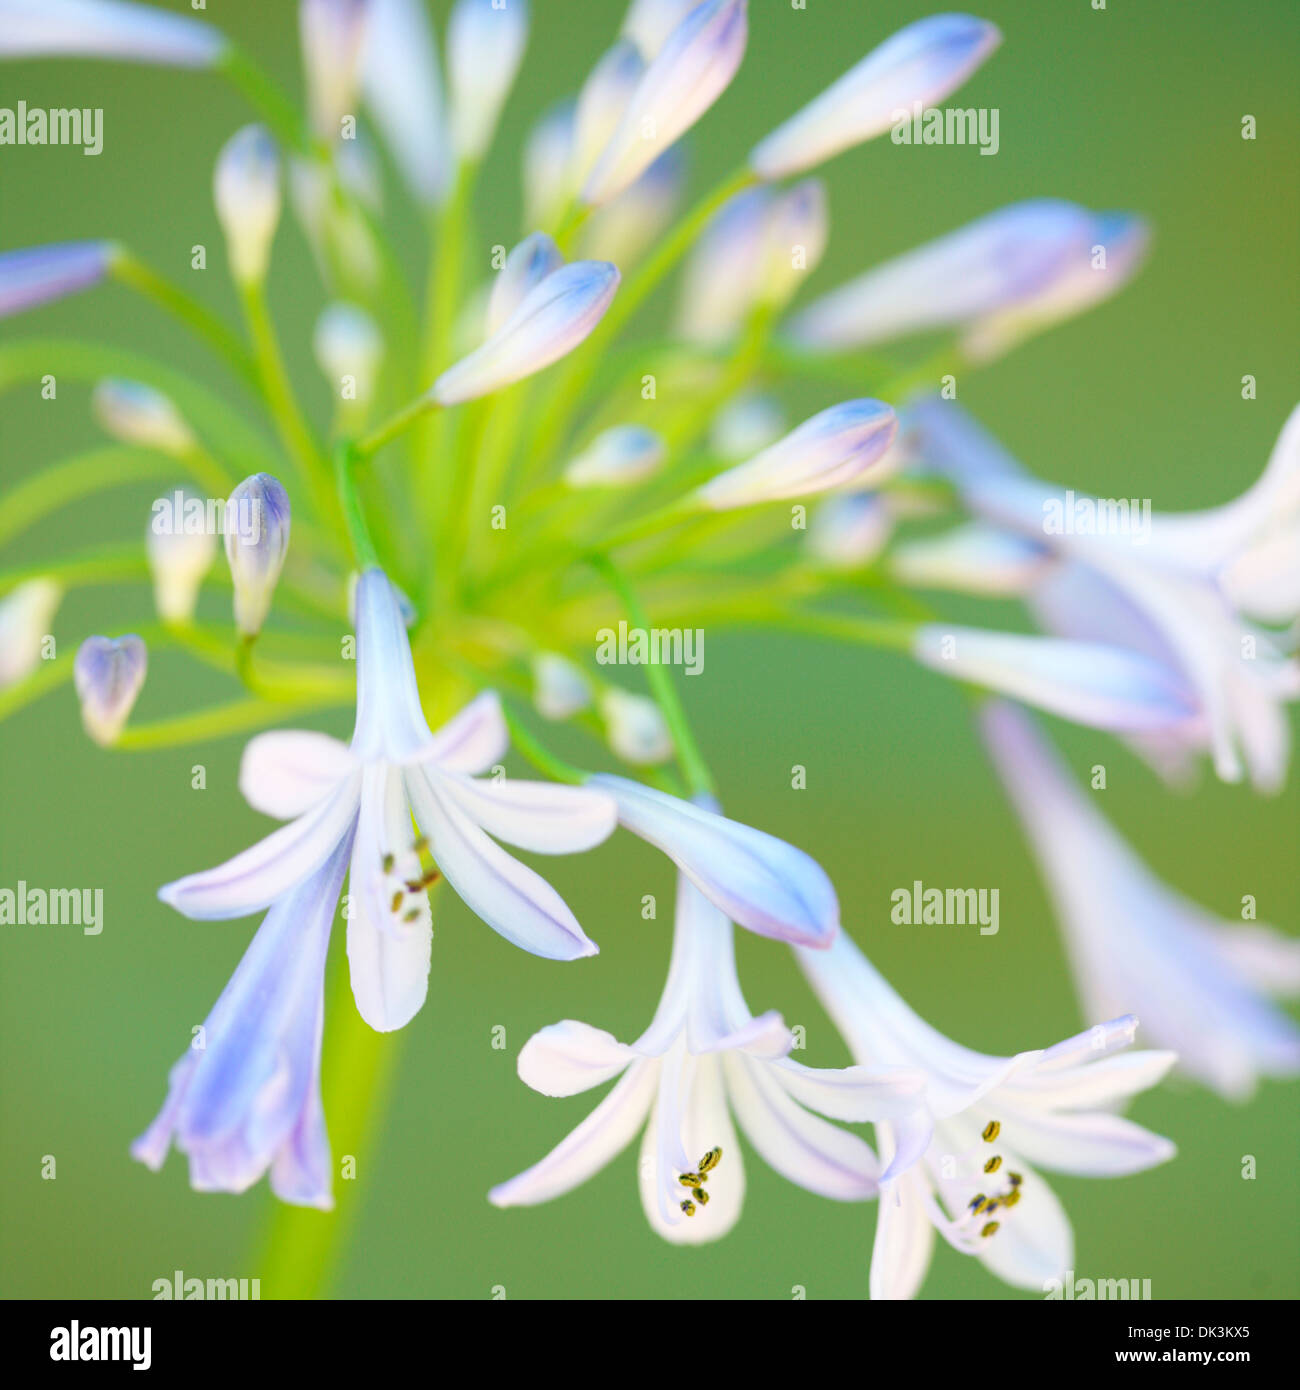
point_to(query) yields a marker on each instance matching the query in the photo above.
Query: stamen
(691, 1179)
(993, 1164)
(397, 901)
(1011, 1197)
(412, 916)
(388, 862)
(991, 1131)
(977, 1203)
(688, 1207)
(700, 1195)
(710, 1160)
(989, 1228)
(1015, 1179)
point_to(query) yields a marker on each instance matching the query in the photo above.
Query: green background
(1138, 106)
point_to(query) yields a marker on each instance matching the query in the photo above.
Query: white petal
(567, 1058)
(286, 772)
(904, 1243)
(1034, 1242)
(543, 817)
(509, 897)
(1095, 1144)
(474, 740)
(604, 1134)
(852, 1093)
(254, 879)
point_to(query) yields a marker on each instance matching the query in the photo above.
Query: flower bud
(849, 531)
(39, 274)
(332, 36)
(553, 318)
(745, 425)
(620, 456)
(137, 414)
(626, 226)
(349, 350)
(721, 281)
(974, 558)
(635, 727)
(247, 191)
(530, 262)
(560, 689)
(402, 83)
(485, 44)
(179, 557)
(25, 616)
(923, 62)
(692, 70)
(648, 23)
(107, 29)
(601, 103)
(548, 154)
(108, 674)
(257, 537)
(833, 448)
(794, 241)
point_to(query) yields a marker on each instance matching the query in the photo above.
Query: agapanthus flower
(704, 1058)
(960, 1163)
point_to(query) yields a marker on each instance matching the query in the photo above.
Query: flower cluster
(501, 476)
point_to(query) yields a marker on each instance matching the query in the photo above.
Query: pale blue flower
(257, 540)
(246, 190)
(601, 103)
(527, 265)
(137, 414)
(109, 673)
(485, 45)
(923, 62)
(648, 23)
(1198, 983)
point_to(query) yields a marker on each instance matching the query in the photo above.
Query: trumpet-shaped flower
(703, 1059)
(832, 449)
(402, 85)
(960, 1164)
(246, 187)
(485, 45)
(557, 314)
(691, 71)
(365, 795)
(1022, 266)
(619, 456)
(1198, 983)
(108, 673)
(762, 883)
(257, 540)
(107, 29)
(245, 1098)
(923, 62)
(39, 274)
(25, 617)
(1161, 585)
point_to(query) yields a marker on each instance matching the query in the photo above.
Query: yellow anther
(691, 1179)
(710, 1160)
(1015, 1179)
(688, 1207)
(977, 1202)
(1011, 1197)
(993, 1164)
(389, 861)
(412, 916)
(991, 1131)
(397, 901)
(700, 1195)
(989, 1228)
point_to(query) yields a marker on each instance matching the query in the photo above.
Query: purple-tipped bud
(39, 274)
(108, 674)
(257, 538)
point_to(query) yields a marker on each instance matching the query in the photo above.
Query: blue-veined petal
(39, 274)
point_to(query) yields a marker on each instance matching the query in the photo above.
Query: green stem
(266, 96)
(132, 272)
(221, 720)
(354, 517)
(522, 738)
(697, 775)
(397, 424)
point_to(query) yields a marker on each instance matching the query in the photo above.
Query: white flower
(1198, 983)
(179, 558)
(257, 539)
(395, 769)
(137, 414)
(108, 674)
(923, 62)
(485, 45)
(560, 312)
(618, 457)
(1163, 585)
(403, 89)
(246, 187)
(704, 1058)
(833, 448)
(107, 29)
(25, 616)
(961, 1163)
(691, 71)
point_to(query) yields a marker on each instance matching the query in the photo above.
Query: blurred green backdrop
(1137, 106)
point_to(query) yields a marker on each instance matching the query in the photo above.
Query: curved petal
(509, 897)
(799, 1145)
(543, 817)
(473, 741)
(856, 1094)
(604, 1134)
(1034, 1242)
(564, 1059)
(904, 1243)
(1096, 1144)
(286, 772)
(272, 867)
